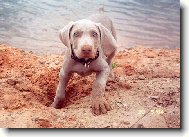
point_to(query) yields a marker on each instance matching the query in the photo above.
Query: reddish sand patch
(144, 94)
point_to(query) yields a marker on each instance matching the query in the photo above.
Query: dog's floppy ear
(64, 34)
(108, 42)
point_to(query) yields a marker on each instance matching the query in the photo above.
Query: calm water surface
(33, 24)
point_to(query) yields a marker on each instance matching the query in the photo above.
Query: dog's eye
(76, 34)
(94, 34)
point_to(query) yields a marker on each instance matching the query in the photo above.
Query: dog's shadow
(79, 87)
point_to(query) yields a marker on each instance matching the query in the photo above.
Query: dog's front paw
(58, 104)
(100, 106)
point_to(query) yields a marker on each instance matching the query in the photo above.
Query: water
(33, 25)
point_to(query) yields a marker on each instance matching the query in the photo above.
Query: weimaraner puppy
(91, 46)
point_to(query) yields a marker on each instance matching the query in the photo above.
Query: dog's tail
(101, 9)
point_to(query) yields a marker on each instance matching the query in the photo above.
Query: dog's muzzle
(83, 61)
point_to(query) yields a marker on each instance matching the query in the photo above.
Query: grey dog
(91, 45)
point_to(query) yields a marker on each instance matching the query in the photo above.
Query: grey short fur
(87, 36)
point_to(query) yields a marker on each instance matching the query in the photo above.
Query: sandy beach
(144, 94)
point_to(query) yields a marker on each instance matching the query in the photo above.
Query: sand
(144, 94)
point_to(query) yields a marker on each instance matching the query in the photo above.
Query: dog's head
(85, 37)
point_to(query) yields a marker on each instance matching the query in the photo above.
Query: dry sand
(144, 94)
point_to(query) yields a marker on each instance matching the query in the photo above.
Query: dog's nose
(86, 49)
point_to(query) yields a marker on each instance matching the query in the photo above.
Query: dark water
(34, 24)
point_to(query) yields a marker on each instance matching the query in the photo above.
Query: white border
(185, 33)
(133, 133)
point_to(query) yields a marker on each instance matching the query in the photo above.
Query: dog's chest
(82, 70)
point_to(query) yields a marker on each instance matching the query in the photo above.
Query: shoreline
(60, 49)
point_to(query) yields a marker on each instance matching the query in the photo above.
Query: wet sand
(144, 94)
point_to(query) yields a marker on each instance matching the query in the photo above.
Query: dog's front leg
(60, 92)
(109, 61)
(99, 103)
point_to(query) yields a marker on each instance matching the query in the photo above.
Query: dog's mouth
(87, 55)
(86, 59)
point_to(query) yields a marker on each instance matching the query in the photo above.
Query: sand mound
(146, 88)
